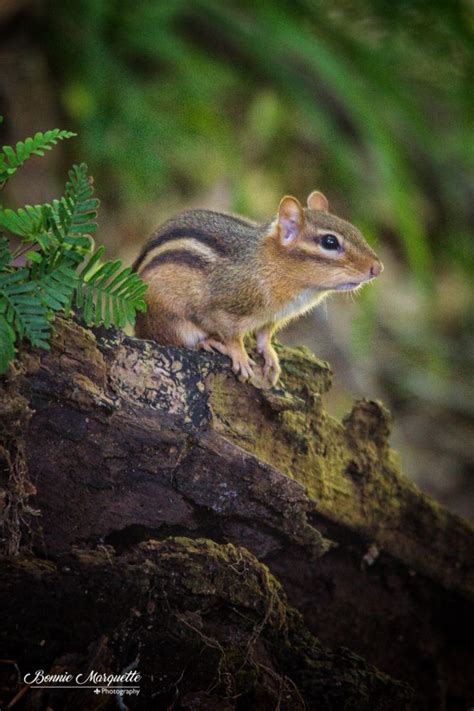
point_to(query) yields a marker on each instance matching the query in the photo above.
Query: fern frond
(7, 344)
(68, 222)
(81, 203)
(12, 158)
(109, 294)
(72, 218)
(56, 283)
(21, 306)
(30, 295)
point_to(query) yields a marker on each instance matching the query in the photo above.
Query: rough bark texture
(108, 442)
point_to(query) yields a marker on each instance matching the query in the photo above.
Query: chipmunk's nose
(376, 269)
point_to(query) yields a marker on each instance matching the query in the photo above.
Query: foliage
(370, 101)
(12, 158)
(56, 240)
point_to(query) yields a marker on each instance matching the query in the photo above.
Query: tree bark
(128, 468)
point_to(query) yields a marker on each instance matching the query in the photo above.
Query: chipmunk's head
(332, 254)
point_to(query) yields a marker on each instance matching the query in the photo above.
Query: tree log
(108, 442)
(206, 621)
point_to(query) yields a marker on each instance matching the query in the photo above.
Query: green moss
(347, 467)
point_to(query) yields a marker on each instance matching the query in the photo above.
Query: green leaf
(26, 222)
(92, 264)
(12, 158)
(79, 193)
(33, 256)
(22, 307)
(56, 283)
(30, 295)
(109, 294)
(72, 218)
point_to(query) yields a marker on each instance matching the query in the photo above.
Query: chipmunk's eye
(329, 242)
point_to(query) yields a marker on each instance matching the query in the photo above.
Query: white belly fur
(302, 303)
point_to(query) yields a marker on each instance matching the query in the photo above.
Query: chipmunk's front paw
(210, 345)
(241, 363)
(242, 366)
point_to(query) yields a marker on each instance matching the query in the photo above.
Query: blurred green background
(231, 105)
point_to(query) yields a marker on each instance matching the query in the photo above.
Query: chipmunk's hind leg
(167, 328)
(235, 349)
(156, 324)
(166, 319)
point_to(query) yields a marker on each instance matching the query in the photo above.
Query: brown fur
(214, 277)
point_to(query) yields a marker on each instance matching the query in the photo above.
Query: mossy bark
(207, 625)
(108, 441)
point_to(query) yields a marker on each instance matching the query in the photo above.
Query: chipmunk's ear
(318, 201)
(290, 219)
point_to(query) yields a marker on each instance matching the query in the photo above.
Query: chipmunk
(214, 277)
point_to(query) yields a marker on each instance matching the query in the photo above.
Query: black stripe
(177, 256)
(181, 233)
